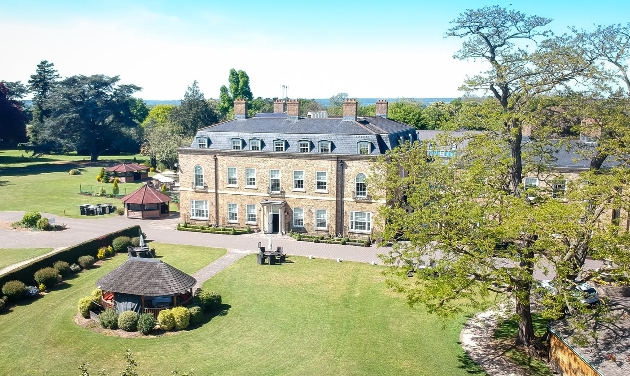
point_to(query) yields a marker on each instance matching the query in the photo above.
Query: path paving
(213, 268)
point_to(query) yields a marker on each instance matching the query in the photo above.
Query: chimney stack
(279, 106)
(293, 109)
(381, 108)
(350, 110)
(240, 109)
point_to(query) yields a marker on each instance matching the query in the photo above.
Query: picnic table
(274, 257)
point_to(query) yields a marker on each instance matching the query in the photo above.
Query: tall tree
(408, 111)
(12, 116)
(41, 85)
(86, 113)
(238, 87)
(194, 112)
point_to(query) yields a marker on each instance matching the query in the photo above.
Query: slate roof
(383, 134)
(146, 195)
(146, 276)
(127, 167)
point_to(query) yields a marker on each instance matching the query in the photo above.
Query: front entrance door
(275, 227)
(273, 221)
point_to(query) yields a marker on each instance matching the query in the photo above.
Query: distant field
(43, 184)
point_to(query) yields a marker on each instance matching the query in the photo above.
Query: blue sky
(368, 49)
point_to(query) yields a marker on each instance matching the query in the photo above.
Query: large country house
(279, 172)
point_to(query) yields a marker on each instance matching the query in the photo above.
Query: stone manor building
(279, 172)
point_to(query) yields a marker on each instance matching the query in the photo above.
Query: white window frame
(364, 145)
(250, 178)
(232, 213)
(360, 179)
(232, 177)
(251, 217)
(198, 179)
(558, 188)
(279, 145)
(365, 223)
(296, 180)
(272, 178)
(237, 144)
(321, 181)
(199, 209)
(324, 144)
(202, 143)
(319, 215)
(298, 217)
(255, 144)
(530, 182)
(304, 146)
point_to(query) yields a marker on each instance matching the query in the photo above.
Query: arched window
(198, 176)
(360, 186)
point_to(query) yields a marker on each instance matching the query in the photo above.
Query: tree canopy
(238, 87)
(194, 112)
(12, 115)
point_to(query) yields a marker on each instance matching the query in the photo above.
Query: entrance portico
(272, 216)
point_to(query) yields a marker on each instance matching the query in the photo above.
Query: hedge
(90, 247)
(213, 230)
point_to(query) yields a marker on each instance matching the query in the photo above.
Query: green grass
(507, 331)
(301, 318)
(43, 184)
(10, 256)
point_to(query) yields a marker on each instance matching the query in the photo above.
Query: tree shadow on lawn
(467, 364)
(37, 169)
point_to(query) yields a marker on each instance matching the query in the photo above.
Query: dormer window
(202, 142)
(325, 147)
(237, 144)
(279, 145)
(364, 147)
(304, 146)
(254, 144)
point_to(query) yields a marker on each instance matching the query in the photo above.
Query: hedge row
(88, 248)
(213, 230)
(329, 240)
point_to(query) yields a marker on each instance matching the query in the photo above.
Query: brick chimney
(381, 108)
(240, 109)
(293, 109)
(279, 106)
(350, 109)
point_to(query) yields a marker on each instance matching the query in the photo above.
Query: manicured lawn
(300, 318)
(9, 256)
(43, 184)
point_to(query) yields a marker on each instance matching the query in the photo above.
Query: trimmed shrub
(43, 224)
(196, 315)
(120, 211)
(208, 300)
(86, 262)
(75, 268)
(74, 171)
(62, 268)
(14, 290)
(110, 251)
(31, 291)
(128, 321)
(47, 276)
(102, 253)
(135, 241)
(97, 294)
(121, 243)
(166, 320)
(109, 318)
(181, 316)
(146, 323)
(84, 306)
(30, 219)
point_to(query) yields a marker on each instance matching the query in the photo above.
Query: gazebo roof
(127, 167)
(146, 276)
(146, 195)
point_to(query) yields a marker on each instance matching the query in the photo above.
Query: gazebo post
(142, 297)
(175, 300)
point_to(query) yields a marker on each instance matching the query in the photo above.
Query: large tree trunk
(525, 327)
(516, 151)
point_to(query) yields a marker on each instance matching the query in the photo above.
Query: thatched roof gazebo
(129, 172)
(146, 202)
(145, 285)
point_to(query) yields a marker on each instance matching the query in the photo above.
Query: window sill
(321, 228)
(321, 191)
(299, 190)
(232, 186)
(251, 187)
(361, 231)
(255, 223)
(233, 221)
(200, 218)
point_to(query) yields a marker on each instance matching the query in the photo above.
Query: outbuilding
(146, 202)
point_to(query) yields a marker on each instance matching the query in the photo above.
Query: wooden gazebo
(146, 202)
(145, 285)
(129, 172)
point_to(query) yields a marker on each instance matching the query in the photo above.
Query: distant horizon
(324, 101)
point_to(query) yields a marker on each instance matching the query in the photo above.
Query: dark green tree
(238, 87)
(12, 115)
(87, 113)
(41, 85)
(194, 112)
(407, 111)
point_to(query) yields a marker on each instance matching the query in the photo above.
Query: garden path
(213, 268)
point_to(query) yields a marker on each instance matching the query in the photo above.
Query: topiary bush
(97, 294)
(84, 306)
(121, 243)
(47, 277)
(86, 262)
(196, 315)
(135, 241)
(62, 268)
(109, 318)
(208, 300)
(14, 290)
(146, 323)
(43, 224)
(110, 251)
(30, 219)
(181, 316)
(128, 321)
(166, 320)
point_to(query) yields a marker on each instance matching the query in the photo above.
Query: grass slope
(10, 256)
(305, 317)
